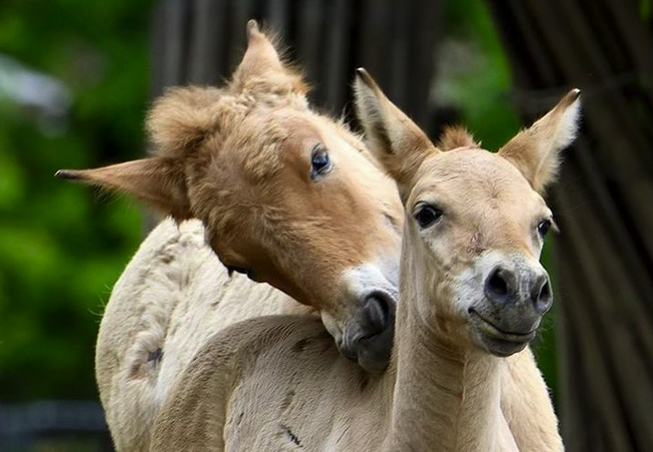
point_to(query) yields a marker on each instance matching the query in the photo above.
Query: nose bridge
(511, 239)
(526, 270)
(529, 279)
(504, 229)
(382, 235)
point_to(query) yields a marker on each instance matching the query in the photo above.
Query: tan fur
(535, 151)
(239, 159)
(454, 137)
(382, 132)
(278, 383)
(170, 299)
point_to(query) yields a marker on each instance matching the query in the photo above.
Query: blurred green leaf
(62, 246)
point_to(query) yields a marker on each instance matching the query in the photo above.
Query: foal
(472, 293)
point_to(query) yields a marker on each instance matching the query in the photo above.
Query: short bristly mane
(454, 137)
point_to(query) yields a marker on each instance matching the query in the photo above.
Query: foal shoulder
(195, 411)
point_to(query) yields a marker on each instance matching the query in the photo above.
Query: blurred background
(76, 78)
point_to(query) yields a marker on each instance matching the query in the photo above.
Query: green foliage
(58, 244)
(479, 82)
(645, 9)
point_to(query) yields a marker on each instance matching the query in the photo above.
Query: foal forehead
(281, 126)
(256, 143)
(266, 138)
(473, 175)
(283, 130)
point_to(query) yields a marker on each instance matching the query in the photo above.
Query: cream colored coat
(175, 294)
(171, 298)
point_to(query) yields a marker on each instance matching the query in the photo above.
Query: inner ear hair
(535, 151)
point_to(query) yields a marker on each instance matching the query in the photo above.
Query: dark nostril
(375, 332)
(376, 314)
(544, 297)
(545, 292)
(497, 286)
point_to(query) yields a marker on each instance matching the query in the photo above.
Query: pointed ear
(536, 151)
(262, 69)
(157, 181)
(396, 141)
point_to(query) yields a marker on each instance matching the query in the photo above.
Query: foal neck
(447, 396)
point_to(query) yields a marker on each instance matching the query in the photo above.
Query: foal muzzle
(369, 336)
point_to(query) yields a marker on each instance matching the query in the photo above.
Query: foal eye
(543, 227)
(427, 215)
(320, 161)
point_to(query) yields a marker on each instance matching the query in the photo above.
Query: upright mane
(454, 137)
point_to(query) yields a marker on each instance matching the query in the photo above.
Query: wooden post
(201, 41)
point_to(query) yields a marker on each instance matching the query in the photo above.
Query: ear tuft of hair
(252, 29)
(67, 174)
(182, 118)
(569, 110)
(455, 137)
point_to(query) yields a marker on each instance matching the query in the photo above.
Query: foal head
(288, 196)
(475, 221)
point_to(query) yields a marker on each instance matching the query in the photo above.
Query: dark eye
(426, 215)
(543, 227)
(320, 161)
